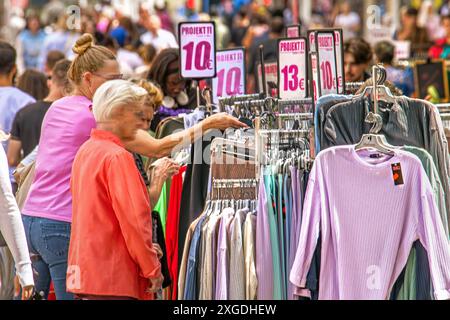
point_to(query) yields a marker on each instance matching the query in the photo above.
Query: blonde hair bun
(85, 42)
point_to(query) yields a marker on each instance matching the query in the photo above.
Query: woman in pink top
(47, 213)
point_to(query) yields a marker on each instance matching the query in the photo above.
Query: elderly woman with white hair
(111, 255)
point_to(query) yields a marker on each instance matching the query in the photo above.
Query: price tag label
(312, 40)
(271, 69)
(197, 50)
(293, 31)
(292, 70)
(339, 60)
(315, 75)
(230, 79)
(402, 50)
(326, 63)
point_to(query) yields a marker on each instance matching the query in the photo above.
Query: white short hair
(113, 94)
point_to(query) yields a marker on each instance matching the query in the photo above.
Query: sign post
(292, 70)
(197, 50)
(230, 79)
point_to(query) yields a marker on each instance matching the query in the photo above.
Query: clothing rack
(239, 149)
(352, 87)
(234, 183)
(230, 101)
(280, 102)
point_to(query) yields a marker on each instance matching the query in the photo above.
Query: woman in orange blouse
(111, 254)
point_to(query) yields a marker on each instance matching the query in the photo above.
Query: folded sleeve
(11, 226)
(131, 206)
(309, 234)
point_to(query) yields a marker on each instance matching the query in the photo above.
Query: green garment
(269, 181)
(281, 224)
(435, 180)
(162, 205)
(408, 289)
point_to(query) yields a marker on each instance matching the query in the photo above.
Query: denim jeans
(49, 240)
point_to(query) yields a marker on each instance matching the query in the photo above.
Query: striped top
(368, 224)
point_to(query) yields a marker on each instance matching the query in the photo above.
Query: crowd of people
(77, 112)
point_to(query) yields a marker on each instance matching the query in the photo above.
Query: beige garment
(251, 280)
(26, 177)
(207, 280)
(237, 258)
(202, 255)
(184, 260)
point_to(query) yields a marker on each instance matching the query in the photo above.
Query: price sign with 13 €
(326, 63)
(292, 70)
(230, 79)
(197, 50)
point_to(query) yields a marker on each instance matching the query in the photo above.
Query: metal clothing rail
(231, 100)
(234, 183)
(280, 102)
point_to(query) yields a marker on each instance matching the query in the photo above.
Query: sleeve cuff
(442, 294)
(25, 273)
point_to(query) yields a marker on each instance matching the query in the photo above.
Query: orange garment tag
(397, 174)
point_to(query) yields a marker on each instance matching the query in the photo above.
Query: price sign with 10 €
(292, 70)
(230, 79)
(197, 50)
(326, 63)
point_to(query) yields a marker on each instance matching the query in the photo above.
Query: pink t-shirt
(67, 125)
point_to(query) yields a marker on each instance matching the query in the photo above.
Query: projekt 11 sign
(292, 70)
(197, 50)
(327, 63)
(230, 79)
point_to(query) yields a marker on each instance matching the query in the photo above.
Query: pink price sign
(315, 75)
(326, 63)
(312, 41)
(230, 79)
(271, 72)
(339, 60)
(293, 31)
(197, 50)
(292, 70)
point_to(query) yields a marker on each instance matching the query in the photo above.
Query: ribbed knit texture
(368, 225)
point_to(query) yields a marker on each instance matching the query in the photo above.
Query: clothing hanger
(382, 92)
(373, 140)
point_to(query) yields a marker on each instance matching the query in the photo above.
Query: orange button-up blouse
(111, 252)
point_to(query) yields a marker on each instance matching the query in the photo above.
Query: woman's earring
(182, 98)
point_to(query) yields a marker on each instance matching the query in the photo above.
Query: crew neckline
(393, 159)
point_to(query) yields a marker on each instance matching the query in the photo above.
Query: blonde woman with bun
(47, 213)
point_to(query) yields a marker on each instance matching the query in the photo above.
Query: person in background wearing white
(12, 229)
(159, 38)
(349, 21)
(431, 21)
(62, 39)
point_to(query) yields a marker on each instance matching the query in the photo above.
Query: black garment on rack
(195, 186)
(158, 237)
(157, 232)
